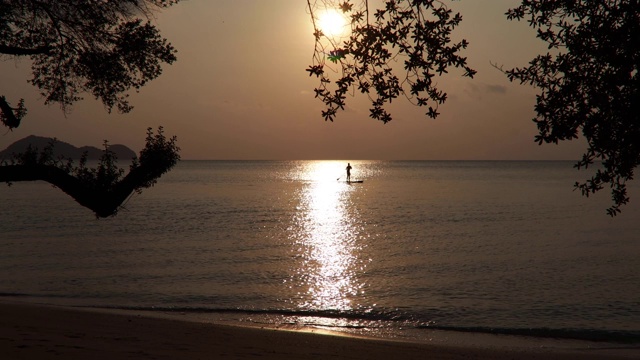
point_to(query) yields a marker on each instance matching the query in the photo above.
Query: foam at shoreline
(31, 331)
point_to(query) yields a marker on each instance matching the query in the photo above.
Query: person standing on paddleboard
(348, 172)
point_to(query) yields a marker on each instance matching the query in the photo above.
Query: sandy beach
(51, 332)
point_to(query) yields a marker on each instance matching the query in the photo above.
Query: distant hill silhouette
(64, 149)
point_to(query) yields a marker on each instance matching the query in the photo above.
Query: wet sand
(51, 332)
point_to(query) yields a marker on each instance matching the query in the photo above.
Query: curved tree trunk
(104, 202)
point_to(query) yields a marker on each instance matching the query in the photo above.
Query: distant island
(64, 149)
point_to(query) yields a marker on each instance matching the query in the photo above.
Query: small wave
(2, 294)
(395, 318)
(626, 337)
(384, 315)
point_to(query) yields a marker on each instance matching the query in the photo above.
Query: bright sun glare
(332, 23)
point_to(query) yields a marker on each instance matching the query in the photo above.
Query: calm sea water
(502, 247)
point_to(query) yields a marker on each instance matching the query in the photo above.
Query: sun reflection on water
(326, 232)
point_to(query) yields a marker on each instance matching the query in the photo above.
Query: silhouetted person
(348, 172)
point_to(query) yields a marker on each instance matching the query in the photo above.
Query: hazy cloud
(496, 89)
(479, 90)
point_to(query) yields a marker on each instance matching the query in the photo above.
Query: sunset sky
(239, 90)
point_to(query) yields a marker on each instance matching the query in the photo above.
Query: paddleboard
(354, 182)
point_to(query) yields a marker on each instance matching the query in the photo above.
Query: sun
(332, 23)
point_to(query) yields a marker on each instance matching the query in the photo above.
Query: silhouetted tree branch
(415, 34)
(588, 83)
(98, 47)
(19, 51)
(101, 189)
(10, 116)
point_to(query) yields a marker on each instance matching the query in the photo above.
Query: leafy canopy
(413, 34)
(83, 46)
(588, 83)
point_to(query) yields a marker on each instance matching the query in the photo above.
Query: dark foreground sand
(47, 332)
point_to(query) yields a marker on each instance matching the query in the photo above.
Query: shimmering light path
(326, 231)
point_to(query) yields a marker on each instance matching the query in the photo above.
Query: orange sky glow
(239, 90)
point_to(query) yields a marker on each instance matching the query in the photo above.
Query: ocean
(504, 247)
